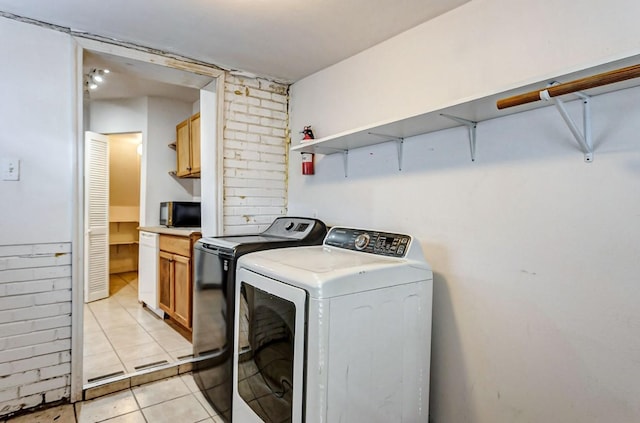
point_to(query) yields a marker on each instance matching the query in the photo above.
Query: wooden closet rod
(598, 80)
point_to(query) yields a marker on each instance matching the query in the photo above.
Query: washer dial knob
(289, 226)
(362, 241)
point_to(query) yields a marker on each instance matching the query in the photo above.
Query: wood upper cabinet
(194, 135)
(188, 147)
(183, 149)
(175, 278)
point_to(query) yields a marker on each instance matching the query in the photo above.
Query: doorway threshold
(114, 383)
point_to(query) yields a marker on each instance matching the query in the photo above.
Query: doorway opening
(139, 104)
(117, 332)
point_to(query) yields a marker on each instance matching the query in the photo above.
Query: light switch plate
(10, 169)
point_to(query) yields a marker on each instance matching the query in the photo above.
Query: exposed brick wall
(255, 154)
(35, 325)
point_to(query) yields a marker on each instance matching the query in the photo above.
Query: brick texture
(35, 323)
(256, 138)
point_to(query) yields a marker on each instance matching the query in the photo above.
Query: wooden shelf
(193, 176)
(122, 242)
(472, 110)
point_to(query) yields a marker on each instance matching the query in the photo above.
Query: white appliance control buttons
(380, 243)
(362, 241)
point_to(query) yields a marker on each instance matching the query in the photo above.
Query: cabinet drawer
(176, 244)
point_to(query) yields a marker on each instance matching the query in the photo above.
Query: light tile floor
(173, 400)
(121, 336)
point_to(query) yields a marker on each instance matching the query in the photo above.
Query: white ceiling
(132, 78)
(281, 39)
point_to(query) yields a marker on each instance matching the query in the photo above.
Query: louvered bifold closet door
(96, 197)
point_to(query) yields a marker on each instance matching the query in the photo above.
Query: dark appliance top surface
(286, 231)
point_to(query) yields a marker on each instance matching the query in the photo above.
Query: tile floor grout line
(137, 323)
(138, 403)
(77, 408)
(172, 399)
(102, 329)
(119, 303)
(113, 349)
(148, 332)
(120, 415)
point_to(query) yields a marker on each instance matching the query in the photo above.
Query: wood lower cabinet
(166, 281)
(183, 294)
(175, 277)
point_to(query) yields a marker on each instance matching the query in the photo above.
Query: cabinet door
(183, 149)
(194, 135)
(182, 290)
(165, 282)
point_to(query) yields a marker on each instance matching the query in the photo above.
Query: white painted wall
(156, 118)
(480, 48)
(35, 217)
(535, 256)
(164, 115)
(535, 253)
(37, 129)
(118, 116)
(209, 160)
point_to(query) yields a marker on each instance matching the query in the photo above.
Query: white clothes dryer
(335, 333)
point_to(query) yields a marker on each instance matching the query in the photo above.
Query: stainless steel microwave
(175, 214)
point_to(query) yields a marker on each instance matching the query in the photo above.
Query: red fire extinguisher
(307, 158)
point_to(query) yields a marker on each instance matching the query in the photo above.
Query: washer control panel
(294, 227)
(373, 242)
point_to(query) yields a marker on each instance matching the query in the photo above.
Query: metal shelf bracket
(400, 145)
(585, 138)
(399, 142)
(471, 126)
(345, 158)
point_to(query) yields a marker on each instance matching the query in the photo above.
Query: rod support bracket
(471, 126)
(345, 158)
(584, 138)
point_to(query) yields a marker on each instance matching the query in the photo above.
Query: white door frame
(82, 44)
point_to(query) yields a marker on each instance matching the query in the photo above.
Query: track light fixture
(94, 78)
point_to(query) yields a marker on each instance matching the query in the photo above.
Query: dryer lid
(326, 272)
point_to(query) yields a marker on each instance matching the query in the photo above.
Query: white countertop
(170, 231)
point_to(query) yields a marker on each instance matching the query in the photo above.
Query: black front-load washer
(214, 299)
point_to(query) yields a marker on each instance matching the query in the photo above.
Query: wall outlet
(10, 169)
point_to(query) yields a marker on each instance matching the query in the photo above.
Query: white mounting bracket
(345, 158)
(471, 125)
(399, 142)
(584, 138)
